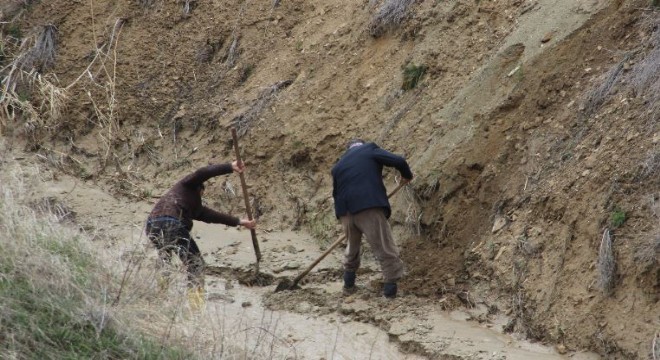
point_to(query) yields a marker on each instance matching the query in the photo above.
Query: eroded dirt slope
(532, 131)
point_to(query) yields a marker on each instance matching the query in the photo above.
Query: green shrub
(411, 75)
(55, 295)
(617, 218)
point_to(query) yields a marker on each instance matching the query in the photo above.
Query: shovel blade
(283, 285)
(286, 284)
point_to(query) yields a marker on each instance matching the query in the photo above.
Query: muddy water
(300, 336)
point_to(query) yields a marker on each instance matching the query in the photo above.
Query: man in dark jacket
(169, 223)
(362, 206)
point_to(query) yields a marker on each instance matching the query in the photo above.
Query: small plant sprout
(412, 74)
(617, 218)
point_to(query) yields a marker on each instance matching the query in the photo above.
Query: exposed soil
(533, 135)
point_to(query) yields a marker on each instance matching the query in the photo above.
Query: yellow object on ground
(196, 298)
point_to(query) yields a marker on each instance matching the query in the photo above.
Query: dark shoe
(389, 290)
(349, 283)
(349, 279)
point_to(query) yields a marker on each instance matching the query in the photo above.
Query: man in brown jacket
(169, 223)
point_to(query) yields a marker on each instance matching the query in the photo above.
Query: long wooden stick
(248, 208)
(333, 246)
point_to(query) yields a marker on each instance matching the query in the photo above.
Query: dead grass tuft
(42, 50)
(651, 165)
(188, 6)
(27, 91)
(648, 253)
(233, 51)
(597, 97)
(606, 264)
(642, 78)
(39, 101)
(389, 17)
(645, 75)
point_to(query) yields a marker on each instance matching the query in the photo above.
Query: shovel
(287, 284)
(248, 208)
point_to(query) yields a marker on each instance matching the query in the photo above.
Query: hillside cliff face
(531, 127)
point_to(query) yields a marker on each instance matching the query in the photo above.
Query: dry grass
(101, 90)
(41, 55)
(87, 302)
(606, 264)
(33, 96)
(597, 97)
(645, 74)
(40, 103)
(55, 299)
(651, 165)
(188, 5)
(390, 16)
(647, 252)
(27, 90)
(233, 51)
(643, 77)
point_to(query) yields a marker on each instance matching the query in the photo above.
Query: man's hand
(250, 224)
(405, 181)
(238, 167)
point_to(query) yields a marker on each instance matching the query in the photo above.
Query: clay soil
(533, 135)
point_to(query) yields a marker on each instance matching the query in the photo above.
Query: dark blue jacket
(357, 179)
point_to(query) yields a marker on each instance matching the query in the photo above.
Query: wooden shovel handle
(335, 244)
(248, 208)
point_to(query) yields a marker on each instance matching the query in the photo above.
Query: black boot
(389, 290)
(349, 282)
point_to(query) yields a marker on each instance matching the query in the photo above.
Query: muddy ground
(311, 322)
(533, 135)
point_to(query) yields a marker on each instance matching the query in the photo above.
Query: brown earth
(533, 131)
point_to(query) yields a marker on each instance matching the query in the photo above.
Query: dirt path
(316, 321)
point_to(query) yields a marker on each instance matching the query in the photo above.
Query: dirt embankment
(532, 131)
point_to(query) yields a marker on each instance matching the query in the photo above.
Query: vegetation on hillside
(57, 301)
(60, 298)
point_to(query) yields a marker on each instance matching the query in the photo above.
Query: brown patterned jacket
(184, 201)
